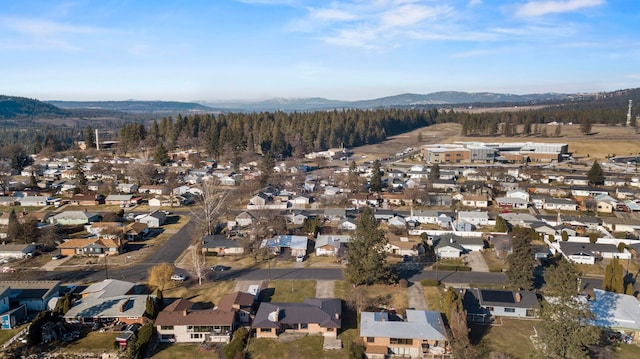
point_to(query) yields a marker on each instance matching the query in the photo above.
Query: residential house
(512, 202)
(220, 244)
(245, 219)
(136, 231)
(615, 311)
(402, 246)
(422, 334)
(127, 187)
(296, 245)
(448, 249)
(33, 294)
(300, 202)
(475, 201)
(108, 302)
(560, 204)
(159, 190)
(86, 199)
(331, 245)
(477, 218)
(518, 193)
(297, 217)
(397, 221)
(119, 199)
(71, 218)
(588, 253)
(16, 251)
(313, 316)
(91, 247)
(606, 203)
(587, 191)
(482, 304)
(166, 201)
(179, 322)
(33, 201)
(347, 225)
(154, 219)
(241, 302)
(10, 317)
(616, 224)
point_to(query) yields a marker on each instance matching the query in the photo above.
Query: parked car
(58, 256)
(178, 277)
(220, 268)
(300, 258)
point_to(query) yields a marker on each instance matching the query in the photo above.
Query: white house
(477, 218)
(518, 193)
(330, 245)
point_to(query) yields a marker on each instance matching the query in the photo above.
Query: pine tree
(565, 331)
(366, 257)
(14, 229)
(81, 177)
(521, 262)
(160, 155)
(353, 178)
(501, 224)
(595, 174)
(614, 277)
(375, 184)
(89, 137)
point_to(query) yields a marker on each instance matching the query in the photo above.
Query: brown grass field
(604, 141)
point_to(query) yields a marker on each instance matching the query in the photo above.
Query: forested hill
(132, 106)
(20, 107)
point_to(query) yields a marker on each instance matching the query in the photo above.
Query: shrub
(430, 282)
(403, 283)
(234, 349)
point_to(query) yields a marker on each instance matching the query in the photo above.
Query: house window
(196, 335)
(304, 326)
(166, 327)
(371, 339)
(265, 330)
(167, 337)
(402, 341)
(490, 309)
(509, 310)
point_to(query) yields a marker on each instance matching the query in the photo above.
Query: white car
(178, 277)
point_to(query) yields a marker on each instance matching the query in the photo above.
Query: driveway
(476, 261)
(324, 288)
(415, 297)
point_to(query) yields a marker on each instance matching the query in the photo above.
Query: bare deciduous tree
(160, 275)
(210, 205)
(199, 262)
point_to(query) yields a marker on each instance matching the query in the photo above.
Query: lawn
(176, 351)
(308, 347)
(495, 264)
(628, 351)
(209, 292)
(433, 294)
(94, 342)
(341, 289)
(5, 335)
(510, 336)
(588, 270)
(294, 291)
(397, 295)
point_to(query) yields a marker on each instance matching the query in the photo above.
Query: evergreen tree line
(279, 133)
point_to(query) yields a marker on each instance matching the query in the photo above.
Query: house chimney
(518, 297)
(184, 313)
(337, 316)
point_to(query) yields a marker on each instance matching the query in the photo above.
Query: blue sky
(192, 50)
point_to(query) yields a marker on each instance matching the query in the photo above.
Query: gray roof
(111, 307)
(326, 312)
(505, 298)
(108, 288)
(419, 324)
(219, 241)
(616, 311)
(119, 197)
(569, 248)
(70, 215)
(331, 239)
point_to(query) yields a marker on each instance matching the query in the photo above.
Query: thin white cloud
(540, 8)
(474, 2)
(408, 15)
(40, 27)
(331, 14)
(472, 53)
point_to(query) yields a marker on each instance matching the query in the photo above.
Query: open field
(604, 141)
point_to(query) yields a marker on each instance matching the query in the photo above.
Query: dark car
(220, 268)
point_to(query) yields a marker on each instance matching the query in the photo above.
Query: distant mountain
(132, 106)
(403, 100)
(12, 107)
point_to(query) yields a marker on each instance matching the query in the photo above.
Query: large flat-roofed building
(480, 152)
